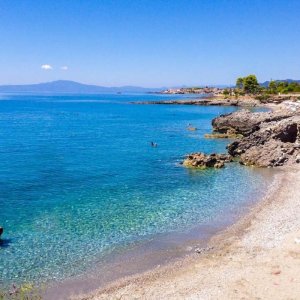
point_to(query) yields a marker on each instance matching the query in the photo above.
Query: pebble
(202, 250)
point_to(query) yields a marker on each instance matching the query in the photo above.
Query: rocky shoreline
(269, 139)
(221, 100)
(209, 101)
(250, 257)
(262, 139)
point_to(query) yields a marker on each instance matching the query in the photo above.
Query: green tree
(250, 84)
(240, 83)
(226, 93)
(272, 85)
(272, 88)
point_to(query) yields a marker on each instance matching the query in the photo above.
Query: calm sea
(79, 179)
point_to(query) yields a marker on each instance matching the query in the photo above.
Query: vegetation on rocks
(283, 87)
(248, 84)
(274, 91)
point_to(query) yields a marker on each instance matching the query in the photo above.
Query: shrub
(262, 97)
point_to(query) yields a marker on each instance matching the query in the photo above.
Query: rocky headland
(262, 139)
(213, 101)
(267, 139)
(221, 100)
(257, 257)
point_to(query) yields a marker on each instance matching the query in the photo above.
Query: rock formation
(245, 122)
(262, 139)
(207, 102)
(269, 139)
(203, 161)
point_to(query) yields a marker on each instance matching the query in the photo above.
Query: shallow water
(79, 179)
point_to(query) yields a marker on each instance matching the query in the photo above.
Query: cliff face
(244, 122)
(269, 139)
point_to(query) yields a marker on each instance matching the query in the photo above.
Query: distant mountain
(266, 83)
(67, 86)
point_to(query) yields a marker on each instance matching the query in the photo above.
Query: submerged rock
(203, 161)
(227, 135)
(190, 128)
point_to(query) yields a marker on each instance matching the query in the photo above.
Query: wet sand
(256, 258)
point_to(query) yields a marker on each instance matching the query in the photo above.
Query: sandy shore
(257, 258)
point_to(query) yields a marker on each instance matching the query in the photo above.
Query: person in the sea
(1, 231)
(153, 144)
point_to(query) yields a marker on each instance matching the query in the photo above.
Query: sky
(150, 43)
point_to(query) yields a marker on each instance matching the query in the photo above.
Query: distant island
(67, 86)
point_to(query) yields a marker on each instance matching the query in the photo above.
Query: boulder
(265, 139)
(275, 143)
(203, 161)
(244, 122)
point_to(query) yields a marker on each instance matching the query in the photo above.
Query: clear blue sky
(148, 42)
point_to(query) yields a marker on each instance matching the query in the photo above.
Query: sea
(80, 181)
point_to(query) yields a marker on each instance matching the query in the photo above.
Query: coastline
(206, 100)
(218, 245)
(117, 270)
(242, 102)
(255, 257)
(222, 250)
(156, 253)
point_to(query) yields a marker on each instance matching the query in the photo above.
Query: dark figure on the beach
(153, 144)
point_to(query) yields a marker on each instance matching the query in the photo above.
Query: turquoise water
(78, 179)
